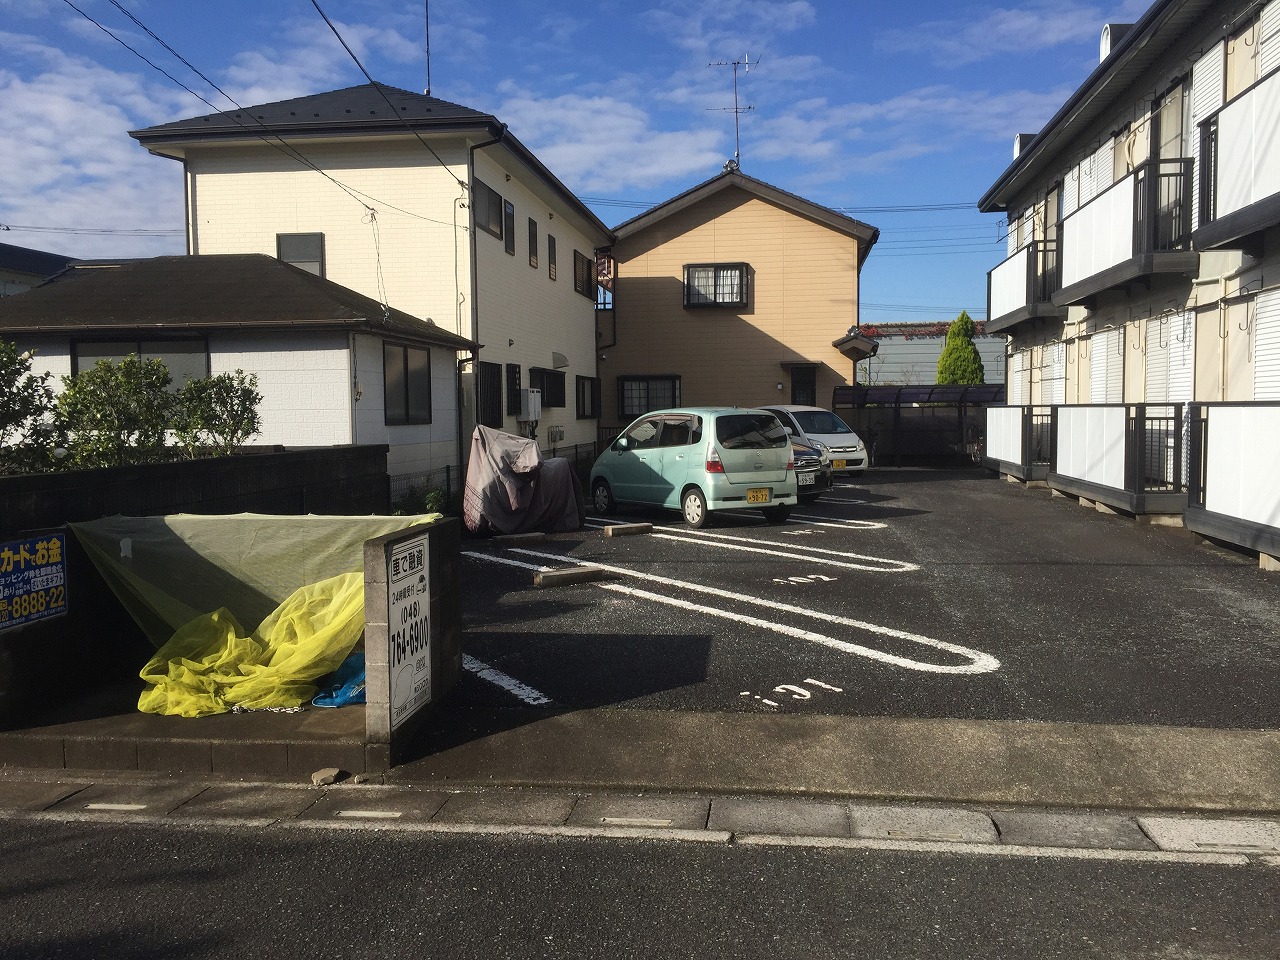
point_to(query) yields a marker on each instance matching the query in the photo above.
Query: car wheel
(602, 496)
(777, 514)
(694, 508)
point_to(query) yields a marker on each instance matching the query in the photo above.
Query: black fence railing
(1155, 449)
(1162, 206)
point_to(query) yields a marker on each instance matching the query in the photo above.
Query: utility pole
(746, 64)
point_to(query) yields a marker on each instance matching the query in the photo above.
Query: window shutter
(1269, 45)
(1207, 92)
(1266, 345)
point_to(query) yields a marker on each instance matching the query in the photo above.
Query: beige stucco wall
(803, 296)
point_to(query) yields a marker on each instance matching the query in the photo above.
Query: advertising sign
(409, 629)
(33, 579)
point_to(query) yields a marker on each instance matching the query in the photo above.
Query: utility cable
(377, 86)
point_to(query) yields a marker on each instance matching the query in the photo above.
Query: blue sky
(898, 113)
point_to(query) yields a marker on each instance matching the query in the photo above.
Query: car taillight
(791, 464)
(713, 462)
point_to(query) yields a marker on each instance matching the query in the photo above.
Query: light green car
(697, 461)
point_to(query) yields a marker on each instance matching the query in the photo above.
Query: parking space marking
(979, 662)
(811, 554)
(812, 521)
(521, 691)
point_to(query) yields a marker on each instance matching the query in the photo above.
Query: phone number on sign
(33, 604)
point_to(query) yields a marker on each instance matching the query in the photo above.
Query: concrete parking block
(568, 575)
(247, 802)
(523, 809)
(144, 799)
(1213, 836)
(404, 804)
(34, 797)
(922, 823)
(790, 818)
(627, 529)
(682, 813)
(1102, 832)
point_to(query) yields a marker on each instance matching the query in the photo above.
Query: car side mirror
(620, 443)
(790, 432)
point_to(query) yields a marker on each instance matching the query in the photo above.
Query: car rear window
(750, 431)
(820, 421)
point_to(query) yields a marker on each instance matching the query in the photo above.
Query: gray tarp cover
(511, 489)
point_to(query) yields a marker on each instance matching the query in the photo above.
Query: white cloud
(1004, 31)
(65, 158)
(600, 144)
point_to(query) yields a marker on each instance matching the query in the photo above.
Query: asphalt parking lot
(902, 594)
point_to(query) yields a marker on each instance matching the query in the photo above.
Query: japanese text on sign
(33, 579)
(408, 629)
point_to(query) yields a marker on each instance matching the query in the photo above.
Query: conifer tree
(960, 362)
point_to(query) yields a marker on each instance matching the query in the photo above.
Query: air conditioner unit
(530, 404)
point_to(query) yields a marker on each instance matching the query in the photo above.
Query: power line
(377, 86)
(283, 146)
(102, 231)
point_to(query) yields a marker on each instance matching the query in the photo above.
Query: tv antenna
(746, 63)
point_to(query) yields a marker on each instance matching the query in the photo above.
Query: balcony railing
(1031, 276)
(1233, 491)
(1018, 441)
(1240, 157)
(1147, 212)
(1129, 457)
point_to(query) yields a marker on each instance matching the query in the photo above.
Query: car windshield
(820, 421)
(750, 431)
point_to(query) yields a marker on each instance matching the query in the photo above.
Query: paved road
(142, 892)
(907, 594)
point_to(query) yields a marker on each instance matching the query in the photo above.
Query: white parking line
(978, 662)
(811, 554)
(825, 522)
(522, 691)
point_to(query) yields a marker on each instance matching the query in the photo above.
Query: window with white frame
(715, 284)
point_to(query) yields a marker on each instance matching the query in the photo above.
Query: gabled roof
(865, 234)
(38, 263)
(204, 294)
(367, 110)
(1142, 46)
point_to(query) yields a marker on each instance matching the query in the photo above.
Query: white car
(814, 424)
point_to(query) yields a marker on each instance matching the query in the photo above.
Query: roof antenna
(426, 13)
(746, 63)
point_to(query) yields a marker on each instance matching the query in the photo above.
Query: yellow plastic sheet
(210, 665)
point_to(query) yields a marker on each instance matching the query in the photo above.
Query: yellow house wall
(804, 296)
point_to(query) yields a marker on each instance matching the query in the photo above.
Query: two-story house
(22, 268)
(1144, 256)
(733, 293)
(428, 207)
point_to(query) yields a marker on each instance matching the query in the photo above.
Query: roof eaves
(996, 198)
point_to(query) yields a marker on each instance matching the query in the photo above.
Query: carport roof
(204, 293)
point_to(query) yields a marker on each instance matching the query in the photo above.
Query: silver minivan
(698, 460)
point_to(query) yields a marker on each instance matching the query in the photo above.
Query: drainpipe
(475, 282)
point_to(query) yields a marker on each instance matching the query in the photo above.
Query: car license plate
(758, 495)
(837, 464)
(804, 479)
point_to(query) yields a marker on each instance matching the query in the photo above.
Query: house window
(407, 383)
(513, 389)
(509, 226)
(715, 284)
(584, 276)
(304, 250)
(487, 204)
(639, 395)
(489, 394)
(533, 242)
(185, 359)
(551, 256)
(551, 383)
(588, 398)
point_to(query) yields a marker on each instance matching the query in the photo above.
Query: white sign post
(408, 629)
